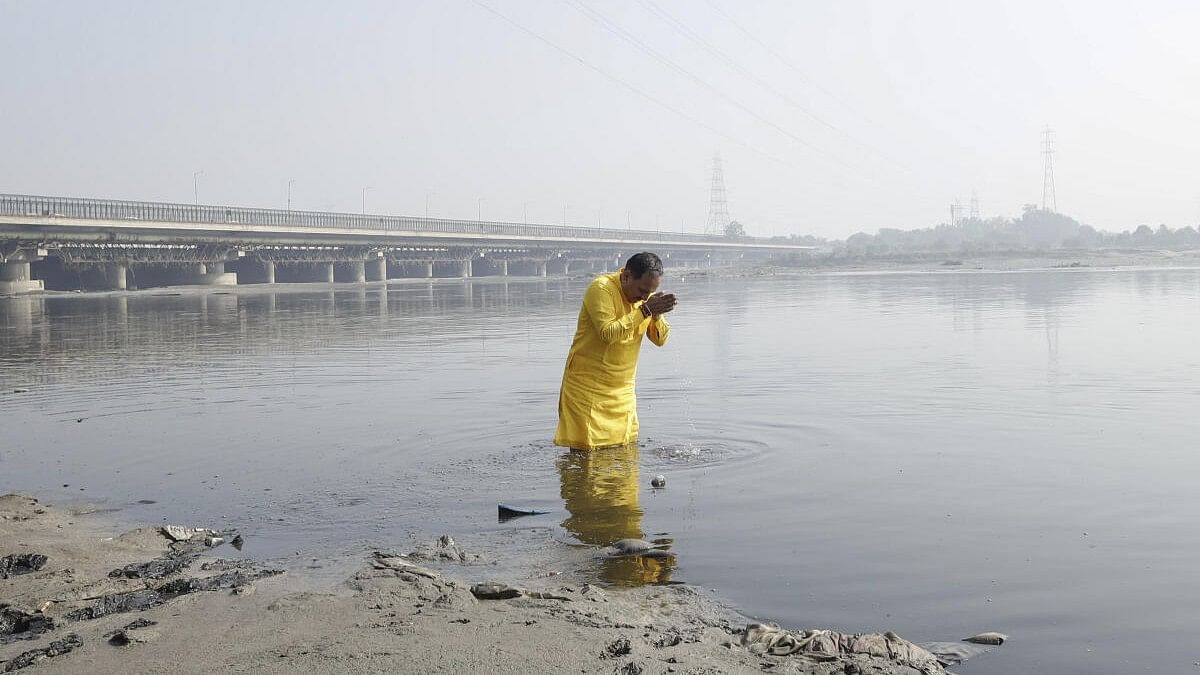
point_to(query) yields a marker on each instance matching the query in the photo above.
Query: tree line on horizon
(1034, 229)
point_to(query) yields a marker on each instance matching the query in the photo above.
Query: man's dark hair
(641, 263)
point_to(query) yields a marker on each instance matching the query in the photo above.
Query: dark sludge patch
(140, 600)
(156, 568)
(233, 579)
(16, 623)
(117, 603)
(127, 635)
(56, 648)
(21, 563)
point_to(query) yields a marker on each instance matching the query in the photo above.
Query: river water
(933, 453)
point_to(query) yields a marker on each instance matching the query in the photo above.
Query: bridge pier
(377, 270)
(539, 269)
(429, 270)
(115, 277)
(207, 274)
(354, 272)
(256, 272)
(464, 269)
(16, 275)
(15, 278)
(328, 272)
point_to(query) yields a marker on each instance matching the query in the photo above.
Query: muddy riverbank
(79, 597)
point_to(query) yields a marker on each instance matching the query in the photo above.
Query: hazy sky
(831, 117)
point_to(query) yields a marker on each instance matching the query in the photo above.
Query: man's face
(639, 289)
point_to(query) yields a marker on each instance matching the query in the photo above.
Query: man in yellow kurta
(596, 405)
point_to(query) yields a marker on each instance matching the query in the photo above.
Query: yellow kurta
(596, 406)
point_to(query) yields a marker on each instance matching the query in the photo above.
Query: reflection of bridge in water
(103, 244)
(49, 338)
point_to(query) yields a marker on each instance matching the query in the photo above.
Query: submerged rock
(21, 563)
(954, 653)
(989, 638)
(640, 548)
(495, 591)
(632, 546)
(56, 648)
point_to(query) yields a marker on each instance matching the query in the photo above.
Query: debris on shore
(433, 609)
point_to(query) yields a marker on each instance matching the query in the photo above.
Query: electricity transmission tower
(718, 205)
(956, 213)
(1048, 199)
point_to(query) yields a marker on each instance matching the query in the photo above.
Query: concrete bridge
(108, 244)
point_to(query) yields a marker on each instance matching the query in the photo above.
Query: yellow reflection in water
(600, 491)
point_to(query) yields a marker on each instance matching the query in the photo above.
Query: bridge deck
(77, 219)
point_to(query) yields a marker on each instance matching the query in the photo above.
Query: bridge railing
(118, 210)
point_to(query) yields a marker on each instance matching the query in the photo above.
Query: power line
(631, 87)
(630, 38)
(722, 56)
(770, 50)
(750, 75)
(802, 108)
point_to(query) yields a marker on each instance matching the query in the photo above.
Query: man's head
(641, 276)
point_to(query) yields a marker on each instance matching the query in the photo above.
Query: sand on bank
(397, 613)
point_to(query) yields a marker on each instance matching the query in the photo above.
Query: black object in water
(508, 512)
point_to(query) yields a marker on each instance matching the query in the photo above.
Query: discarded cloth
(829, 644)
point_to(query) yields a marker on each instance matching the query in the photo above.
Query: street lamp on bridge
(196, 185)
(291, 182)
(364, 200)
